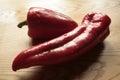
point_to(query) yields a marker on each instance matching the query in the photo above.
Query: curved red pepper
(96, 29)
(47, 24)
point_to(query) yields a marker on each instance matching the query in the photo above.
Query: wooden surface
(102, 63)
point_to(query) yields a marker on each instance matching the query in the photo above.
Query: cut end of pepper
(21, 24)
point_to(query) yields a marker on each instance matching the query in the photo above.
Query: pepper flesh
(47, 24)
(96, 30)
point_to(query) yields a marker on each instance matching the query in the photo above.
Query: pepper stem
(21, 24)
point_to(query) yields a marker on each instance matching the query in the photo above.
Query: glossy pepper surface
(47, 24)
(93, 29)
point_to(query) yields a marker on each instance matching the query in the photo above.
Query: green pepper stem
(21, 24)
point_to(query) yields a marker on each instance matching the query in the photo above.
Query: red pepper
(93, 30)
(47, 24)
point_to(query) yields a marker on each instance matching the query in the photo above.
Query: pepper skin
(47, 24)
(96, 29)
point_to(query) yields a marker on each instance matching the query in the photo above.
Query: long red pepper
(96, 30)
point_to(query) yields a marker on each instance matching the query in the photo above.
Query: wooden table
(102, 63)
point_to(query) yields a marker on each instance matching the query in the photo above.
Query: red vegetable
(96, 29)
(47, 24)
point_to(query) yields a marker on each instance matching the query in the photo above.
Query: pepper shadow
(34, 42)
(70, 70)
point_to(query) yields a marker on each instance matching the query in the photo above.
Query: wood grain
(102, 63)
